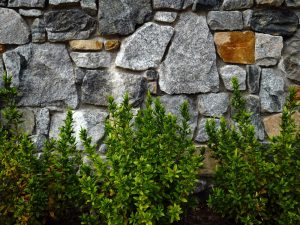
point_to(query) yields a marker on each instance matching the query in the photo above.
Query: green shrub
(256, 183)
(150, 171)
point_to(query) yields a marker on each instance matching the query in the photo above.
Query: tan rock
(152, 87)
(91, 45)
(209, 164)
(111, 45)
(2, 48)
(236, 46)
(298, 93)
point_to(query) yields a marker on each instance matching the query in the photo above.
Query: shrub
(150, 171)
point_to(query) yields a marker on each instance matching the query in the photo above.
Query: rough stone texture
(99, 84)
(43, 121)
(298, 93)
(275, 22)
(187, 3)
(26, 3)
(60, 2)
(14, 29)
(168, 4)
(206, 4)
(92, 60)
(111, 45)
(202, 135)
(1, 71)
(2, 49)
(145, 48)
(237, 4)
(63, 25)
(267, 49)
(225, 20)
(290, 62)
(270, 2)
(28, 119)
(253, 78)
(229, 71)
(42, 76)
(31, 12)
(38, 140)
(190, 66)
(166, 17)
(152, 75)
(89, 6)
(3, 2)
(272, 90)
(38, 30)
(292, 3)
(213, 104)
(121, 17)
(152, 86)
(247, 15)
(236, 47)
(86, 45)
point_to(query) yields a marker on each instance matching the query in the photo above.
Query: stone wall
(75, 53)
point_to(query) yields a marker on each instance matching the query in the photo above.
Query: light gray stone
(187, 3)
(43, 74)
(190, 66)
(43, 121)
(213, 104)
(272, 90)
(60, 2)
(63, 25)
(292, 3)
(225, 20)
(270, 2)
(145, 48)
(237, 4)
(31, 12)
(202, 135)
(26, 3)
(247, 15)
(38, 30)
(98, 85)
(253, 78)
(168, 4)
(267, 49)
(121, 17)
(89, 6)
(28, 119)
(166, 17)
(227, 72)
(14, 29)
(92, 60)
(39, 141)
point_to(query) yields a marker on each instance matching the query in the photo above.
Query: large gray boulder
(43, 74)
(145, 48)
(27, 3)
(213, 104)
(190, 66)
(13, 29)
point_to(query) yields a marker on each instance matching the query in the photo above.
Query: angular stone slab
(213, 104)
(43, 77)
(145, 48)
(237, 4)
(270, 2)
(247, 15)
(26, 3)
(236, 47)
(63, 25)
(168, 4)
(60, 2)
(190, 66)
(166, 17)
(31, 12)
(13, 28)
(253, 78)
(92, 60)
(229, 71)
(225, 20)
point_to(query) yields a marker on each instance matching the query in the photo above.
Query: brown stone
(272, 123)
(209, 163)
(236, 46)
(298, 94)
(89, 45)
(111, 45)
(2, 48)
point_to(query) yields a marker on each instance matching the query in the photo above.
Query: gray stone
(213, 104)
(247, 15)
(39, 141)
(225, 20)
(272, 89)
(121, 17)
(26, 3)
(190, 66)
(62, 25)
(31, 12)
(202, 135)
(98, 85)
(14, 29)
(38, 30)
(145, 48)
(187, 3)
(3, 2)
(28, 119)
(168, 4)
(89, 6)
(237, 4)
(60, 2)
(275, 22)
(270, 2)
(292, 3)
(92, 60)
(229, 71)
(103, 149)
(253, 78)
(206, 4)
(43, 74)
(1, 71)
(166, 17)
(152, 75)
(298, 14)
(43, 121)
(267, 49)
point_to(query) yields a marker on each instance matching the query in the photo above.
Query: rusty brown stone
(89, 45)
(236, 46)
(111, 45)
(2, 48)
(298, 93)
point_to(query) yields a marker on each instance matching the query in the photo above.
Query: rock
(202, 135)
(43, 121)
(103, 149)
(121, 17)
(43, 77)
(39, 141)
(172, 105)
(3, 2)
(28, 119)
(270, 2)
(26, 3)
(14, 29)
(2, 49)
(99, 84)
(213, 104)
(168, 4)
(86, 45)
(247, 15)
(225, 20)
(292, 3)
(236, 47)
(145, 48)
(60, 2)
(229, 71)
(275, 22)
(186, 4)
(92, 60)
(298, 93)
(152, 75)
(272, 90)
(38, 30)
(237, 4)
(89, 6)
(152, 86)
(166, 17)
(190, 66)
(111, 45)
(206, 4)
(267, 49)
(63, 25)
(31, 12)
(1, 72)
(253, 78)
